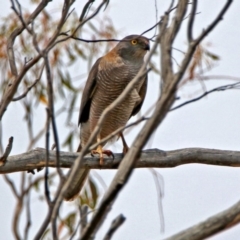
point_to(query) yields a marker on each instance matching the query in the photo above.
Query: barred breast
(110, 84)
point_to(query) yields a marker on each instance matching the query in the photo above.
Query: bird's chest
(113, 80)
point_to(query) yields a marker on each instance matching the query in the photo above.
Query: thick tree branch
(151, 158)
(212, 225)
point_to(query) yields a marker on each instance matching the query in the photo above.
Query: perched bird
(107, 79)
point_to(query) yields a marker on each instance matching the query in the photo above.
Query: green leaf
(213, 56)
(94, 192)
(70, 221)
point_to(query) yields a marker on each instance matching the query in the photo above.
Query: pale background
(191, 192)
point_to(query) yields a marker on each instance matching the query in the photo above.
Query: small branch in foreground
(104, 140)
(116, 223)
(8, 149)
(218, 89)
(212, 225)
(84, 217)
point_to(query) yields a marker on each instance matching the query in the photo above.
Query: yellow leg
(101, 151)
(125, 146)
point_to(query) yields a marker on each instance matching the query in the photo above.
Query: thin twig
(46, 187)
(11, 184)
(218, 89)
(51, 112)
(84, 217)
(28, 213)
(113, 134)
(158, 180)
(155, 25)
(7, 151)
(30, 87)
(116, 223)
(191, 21)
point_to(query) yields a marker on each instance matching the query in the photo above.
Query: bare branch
(212, 225)
(158, 180)
(104, 140)
(12, 87)
(30, 87)
(28, 213)
(215, 22)
(154, 26)
(116, 223)
(8, 149)
(46, 187)
(218, 89)
(51, 116)
(19, 14)
(94, 40)
(11, 184)
(51, 112)
(191, 21)
(84, 217)
(73, 35)
(151, 158)
(17, 32)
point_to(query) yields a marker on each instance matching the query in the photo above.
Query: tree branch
(217, 89)
(212, 225)
(151, 158)
(116, 223)
(8, 149)
(191, 21)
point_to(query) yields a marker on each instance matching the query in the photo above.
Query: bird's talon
(101, 152)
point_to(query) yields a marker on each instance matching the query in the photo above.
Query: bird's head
(133, 47)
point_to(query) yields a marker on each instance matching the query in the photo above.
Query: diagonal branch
(218, 89)
(116, 223)
(212, 225)
(30, 87)
(17, 32)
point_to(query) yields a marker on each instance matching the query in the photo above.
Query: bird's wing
(142, 93)
(88, 93)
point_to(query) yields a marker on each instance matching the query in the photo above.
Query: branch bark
(151, 158)
(212, 225)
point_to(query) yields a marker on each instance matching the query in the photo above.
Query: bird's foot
(101, 151)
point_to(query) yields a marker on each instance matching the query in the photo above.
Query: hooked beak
(147, 47)
(146, 44)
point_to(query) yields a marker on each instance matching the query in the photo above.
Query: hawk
(107, 79)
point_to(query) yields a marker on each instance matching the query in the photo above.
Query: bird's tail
(77, 183)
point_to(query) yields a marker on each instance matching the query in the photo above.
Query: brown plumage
(106, 81)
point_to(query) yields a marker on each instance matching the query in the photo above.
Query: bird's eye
(134, 42)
